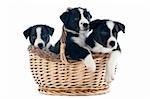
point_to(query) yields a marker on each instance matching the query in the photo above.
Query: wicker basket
(55, 76)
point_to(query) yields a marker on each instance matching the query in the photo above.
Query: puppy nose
(112, 43)
(85, 25)
(40, 45)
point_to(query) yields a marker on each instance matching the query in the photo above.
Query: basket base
(74, 91)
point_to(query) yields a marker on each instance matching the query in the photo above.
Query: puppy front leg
(89, 62)
(110, 68)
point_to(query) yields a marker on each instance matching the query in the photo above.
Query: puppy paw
(92, 67)
(109, 78)
(89, 62)
(112, 77)
(45, 49)
(30, 47)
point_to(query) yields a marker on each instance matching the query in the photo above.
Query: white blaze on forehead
(82, 20)
(38, 30)
(110, 25)
(38, 39)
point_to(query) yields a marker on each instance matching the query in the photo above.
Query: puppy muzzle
(40, 45)
(112, 43)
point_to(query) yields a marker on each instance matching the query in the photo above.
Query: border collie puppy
(104, 39)
(39, 35)
(76, 24)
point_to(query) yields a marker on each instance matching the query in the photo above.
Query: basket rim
(51, 56)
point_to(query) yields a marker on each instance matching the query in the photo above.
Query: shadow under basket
(55, 77)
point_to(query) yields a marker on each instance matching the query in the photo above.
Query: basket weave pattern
(55, 77)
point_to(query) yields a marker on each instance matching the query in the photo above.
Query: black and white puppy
(104, 39)
(76, 23)
(39, 35)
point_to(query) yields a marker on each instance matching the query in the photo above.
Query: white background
(133, 73)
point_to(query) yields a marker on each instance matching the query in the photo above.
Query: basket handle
(62, 46)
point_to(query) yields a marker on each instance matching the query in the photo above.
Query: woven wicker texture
(73, 78)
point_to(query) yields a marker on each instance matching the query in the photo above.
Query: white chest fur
(80, 40)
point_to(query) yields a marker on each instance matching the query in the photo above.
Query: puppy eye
(104, 33)
(115, 34)
(33, 36)
(76, 19)
(44, 36)
(46, 39)
(87, 15)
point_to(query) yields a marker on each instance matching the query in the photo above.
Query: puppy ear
(50, 30)
(94, 23)
(69, 8)
(27, 32)
(120, 27)
(64, 17)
